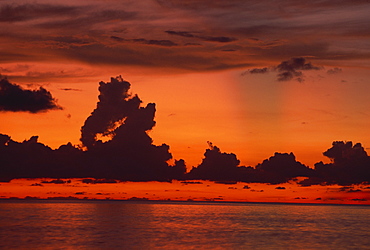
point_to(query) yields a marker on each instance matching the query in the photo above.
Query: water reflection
(128, 225)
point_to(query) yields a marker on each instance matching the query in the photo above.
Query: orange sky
(195, 61)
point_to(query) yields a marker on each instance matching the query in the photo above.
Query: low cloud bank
(115, 145)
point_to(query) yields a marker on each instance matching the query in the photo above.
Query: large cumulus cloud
(127, 153)
(349, 165)
(219, 166)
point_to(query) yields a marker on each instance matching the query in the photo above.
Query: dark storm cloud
(18, 13)
(16, 99)
(220, 39)
(293, 69)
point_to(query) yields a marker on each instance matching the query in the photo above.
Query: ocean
(181, 225)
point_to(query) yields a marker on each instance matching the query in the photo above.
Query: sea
(79, 224)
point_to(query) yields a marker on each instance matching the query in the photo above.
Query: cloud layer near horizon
(128, 153)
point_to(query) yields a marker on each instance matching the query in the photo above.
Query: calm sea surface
(186, 225)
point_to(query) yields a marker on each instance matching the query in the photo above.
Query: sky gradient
(252, 77)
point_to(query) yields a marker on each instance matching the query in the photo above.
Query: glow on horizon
(186, 191)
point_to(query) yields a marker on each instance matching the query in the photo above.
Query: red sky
(195, 60)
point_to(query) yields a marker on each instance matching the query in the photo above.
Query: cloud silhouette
(334, 71)
(220, 39)
(293, 69)
(116, 146)
(14, 98)
(224, 167)
(350, 165)
(282, 167)
(259, 71)
(216, 166)
(129, 153)
(290, 69)
(166, 43)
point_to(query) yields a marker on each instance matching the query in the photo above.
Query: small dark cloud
(226, 182)
(281, 188)
(334, 71)
(166, 43)
(191, 182)
(98, 181)
(16, 99)
(36, 185)
(220, 39)
(70, 89)
(354, 190)
(180, 33)
(258, 191)
(259, 70)
(256, 71)
(57, 181)
(358, 199)
(293, 69)
(246, 187)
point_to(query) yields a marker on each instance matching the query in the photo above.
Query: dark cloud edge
(290, 69)
(131, 156)
(13, 98)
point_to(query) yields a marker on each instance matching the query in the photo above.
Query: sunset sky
(252, 77)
